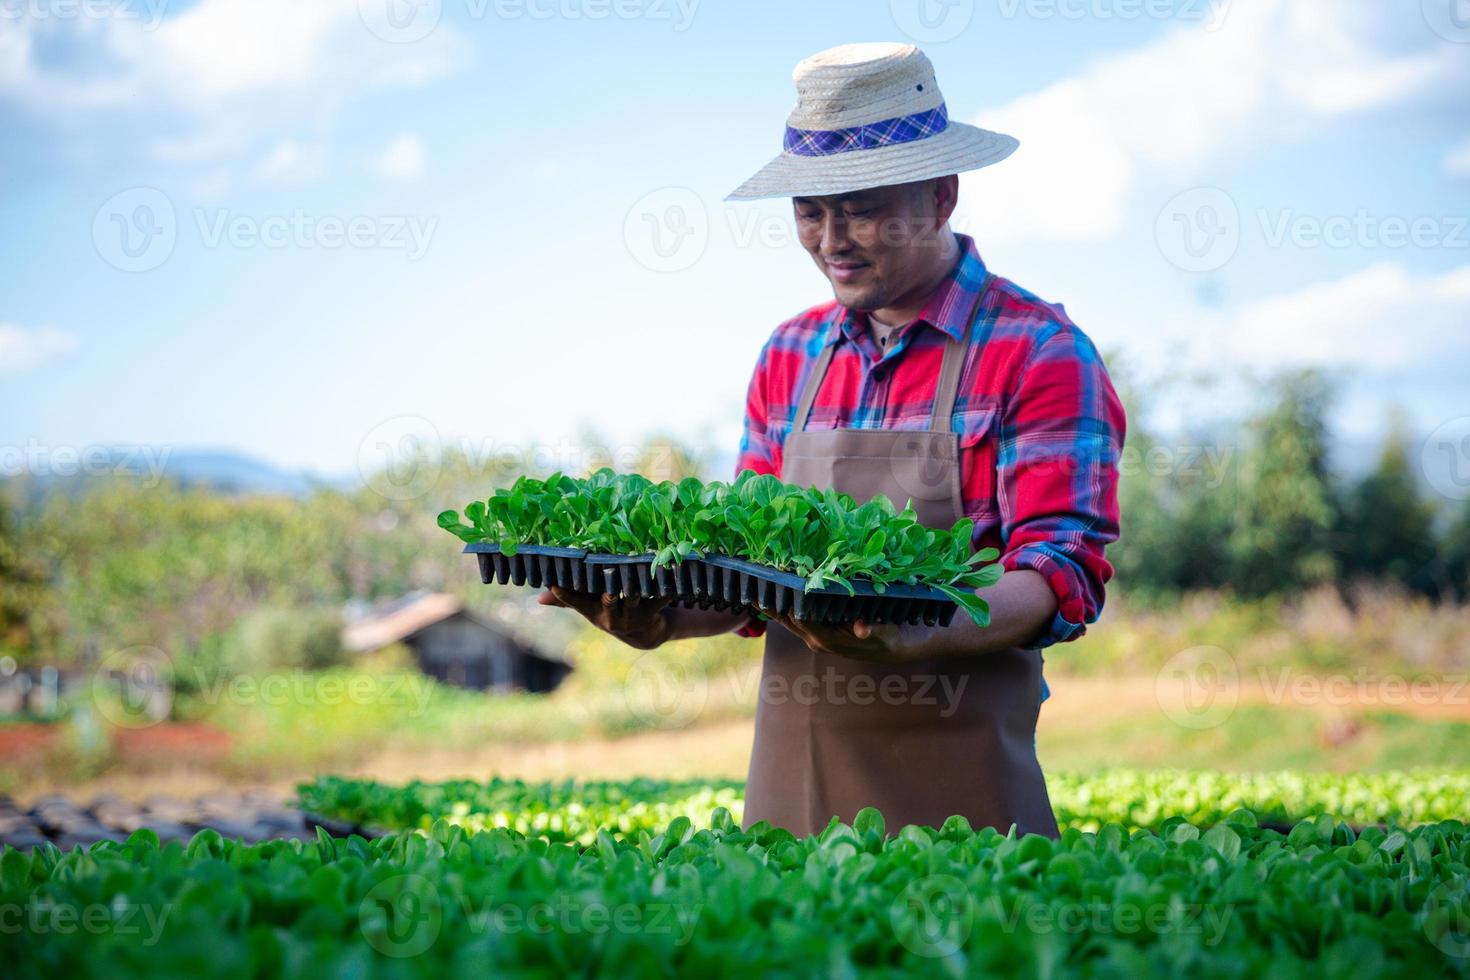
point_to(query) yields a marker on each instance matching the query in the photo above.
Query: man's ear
(946, 197)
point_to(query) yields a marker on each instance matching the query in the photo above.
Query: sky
(314, 231)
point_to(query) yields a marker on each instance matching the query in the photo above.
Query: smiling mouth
(847, 272)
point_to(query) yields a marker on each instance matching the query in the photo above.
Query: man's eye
(808, 215)
(857, 214)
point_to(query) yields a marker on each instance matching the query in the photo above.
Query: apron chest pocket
(979, 438)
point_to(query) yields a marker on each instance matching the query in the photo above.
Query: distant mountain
(233, 472)
(218, 469)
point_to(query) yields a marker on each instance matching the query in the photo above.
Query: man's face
(875, 246)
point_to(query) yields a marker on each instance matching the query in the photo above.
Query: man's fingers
(617, 614)
(582, 602)
(827, 638)
(803, 633)
(813, 631)
(853, 640)
(632, 614)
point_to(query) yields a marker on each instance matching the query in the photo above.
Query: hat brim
(958, 149)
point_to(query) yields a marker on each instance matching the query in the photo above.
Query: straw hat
(870, 115)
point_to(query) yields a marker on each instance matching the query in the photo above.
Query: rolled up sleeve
(1060, 443)
(758, 450)
(758, 444)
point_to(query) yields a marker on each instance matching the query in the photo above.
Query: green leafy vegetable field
(1133, 798)
(1230, 899)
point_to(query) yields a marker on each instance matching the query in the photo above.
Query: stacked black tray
(711, 582)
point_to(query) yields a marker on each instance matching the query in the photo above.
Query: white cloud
(1387, 335)
(1382, 319)
(209, 79)
(402, 159)
(22, 349)
(211, 185)
(1457, 161)
(1192, 103)
(291, 162)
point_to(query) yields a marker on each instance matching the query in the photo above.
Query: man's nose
(834, 235)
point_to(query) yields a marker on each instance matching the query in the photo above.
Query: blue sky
(305, 229)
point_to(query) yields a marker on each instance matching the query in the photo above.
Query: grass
(1261, 736)
(623, 712)
(1376, 628)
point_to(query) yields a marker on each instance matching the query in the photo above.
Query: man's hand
(1021, 604)
(885, 643)
(640, 623)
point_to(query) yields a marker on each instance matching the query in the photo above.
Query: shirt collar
(950, 308)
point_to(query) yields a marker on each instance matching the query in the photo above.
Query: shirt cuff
(756, 627)
(1065, 582)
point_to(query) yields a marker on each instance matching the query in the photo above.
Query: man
(933, 381)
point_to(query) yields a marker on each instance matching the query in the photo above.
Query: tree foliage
(1284, 506)
(1258, 510)
(1387, 525)
(1252, 508)
(23, 597)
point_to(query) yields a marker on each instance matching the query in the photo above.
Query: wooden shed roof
(403, 618)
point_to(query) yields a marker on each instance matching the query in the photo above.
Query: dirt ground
(1078, 709)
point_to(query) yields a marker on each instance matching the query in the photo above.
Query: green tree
(1387, 527)
(272, 637)
(1173, 515)
(24, 626)
(1284, 507)
(176, 568)
(1454, 556)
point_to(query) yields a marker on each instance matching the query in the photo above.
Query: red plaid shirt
(1041, 428)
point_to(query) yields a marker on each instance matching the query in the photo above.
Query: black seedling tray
(537, 565)
(542, 566)
(770, 589)
(712, 582)
(685, 583)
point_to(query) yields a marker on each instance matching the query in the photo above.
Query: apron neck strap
(949, 381)
(953, 365)
(949, 374)
(813, 382)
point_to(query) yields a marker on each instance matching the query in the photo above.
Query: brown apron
(919, 742)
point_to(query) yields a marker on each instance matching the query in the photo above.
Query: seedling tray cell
(630, 575)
